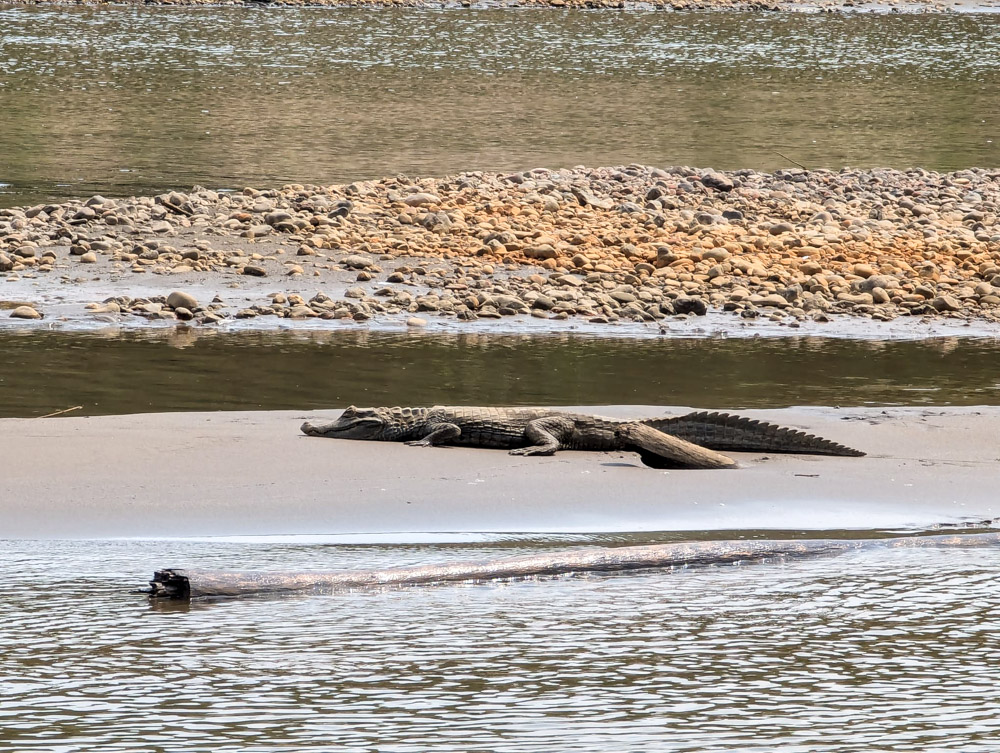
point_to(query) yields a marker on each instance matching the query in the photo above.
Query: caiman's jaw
(354, 423)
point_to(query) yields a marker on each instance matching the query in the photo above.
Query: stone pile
(623, 243)
(664, 5)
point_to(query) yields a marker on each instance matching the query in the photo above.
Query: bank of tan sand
(225, 474)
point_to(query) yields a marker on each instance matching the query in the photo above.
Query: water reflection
(109, 373)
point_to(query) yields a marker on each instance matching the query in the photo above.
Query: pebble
(421, 199)
(718, 181)
(178, 299)
(773, 299)
(690, 305)
(355, 261)
(946, 303)
(25, 312)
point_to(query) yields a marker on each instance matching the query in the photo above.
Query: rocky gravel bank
(601, 245)
(936, 6)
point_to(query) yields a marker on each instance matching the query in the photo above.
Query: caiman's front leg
(440, 434)
(546, 435)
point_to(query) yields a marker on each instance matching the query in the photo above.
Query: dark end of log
(169, 584)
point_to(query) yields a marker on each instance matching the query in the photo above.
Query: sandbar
(253, 474)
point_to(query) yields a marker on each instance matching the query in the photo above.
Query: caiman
(688, 441)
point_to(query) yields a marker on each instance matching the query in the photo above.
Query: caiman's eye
(350, 410)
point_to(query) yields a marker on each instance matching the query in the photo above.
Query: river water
(873, 650)
(132, 100)
(204, 370)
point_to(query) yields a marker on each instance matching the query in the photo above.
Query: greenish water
(125, 100)
(191, 370)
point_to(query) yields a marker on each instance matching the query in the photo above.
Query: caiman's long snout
(316, 430)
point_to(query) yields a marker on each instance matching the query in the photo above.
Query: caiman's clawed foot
(534, 451)
(426, 442)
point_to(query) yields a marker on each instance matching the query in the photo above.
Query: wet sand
(247, 474)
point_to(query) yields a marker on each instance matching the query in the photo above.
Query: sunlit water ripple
(133, 100)
(873, 650)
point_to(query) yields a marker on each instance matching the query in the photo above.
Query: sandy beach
(248, 474)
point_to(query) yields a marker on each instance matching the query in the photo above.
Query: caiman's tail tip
(843, 450)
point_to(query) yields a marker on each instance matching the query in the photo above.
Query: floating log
(192, 584)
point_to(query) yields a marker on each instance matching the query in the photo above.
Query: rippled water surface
(130, 100)
(171, 370)
(873, 650)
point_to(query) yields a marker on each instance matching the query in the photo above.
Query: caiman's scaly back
(724, 431)
(685, 441)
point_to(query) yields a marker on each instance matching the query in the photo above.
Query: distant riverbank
(595, 246)
(920, 6)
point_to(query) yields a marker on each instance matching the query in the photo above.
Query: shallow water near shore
(871, 650)
(138, 100)
(190, 370)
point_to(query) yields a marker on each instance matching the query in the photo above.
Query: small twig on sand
(785, 156)
(60, 412)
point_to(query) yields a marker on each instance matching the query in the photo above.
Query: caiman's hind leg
(659, 450)
(440, 434)
(546, 435)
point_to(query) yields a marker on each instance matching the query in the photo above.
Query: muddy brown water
(123, 101)
(197, 370)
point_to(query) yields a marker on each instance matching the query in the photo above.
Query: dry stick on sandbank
(189, 584)
(60, 412)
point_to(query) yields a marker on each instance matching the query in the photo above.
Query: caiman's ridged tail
(724, 431)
